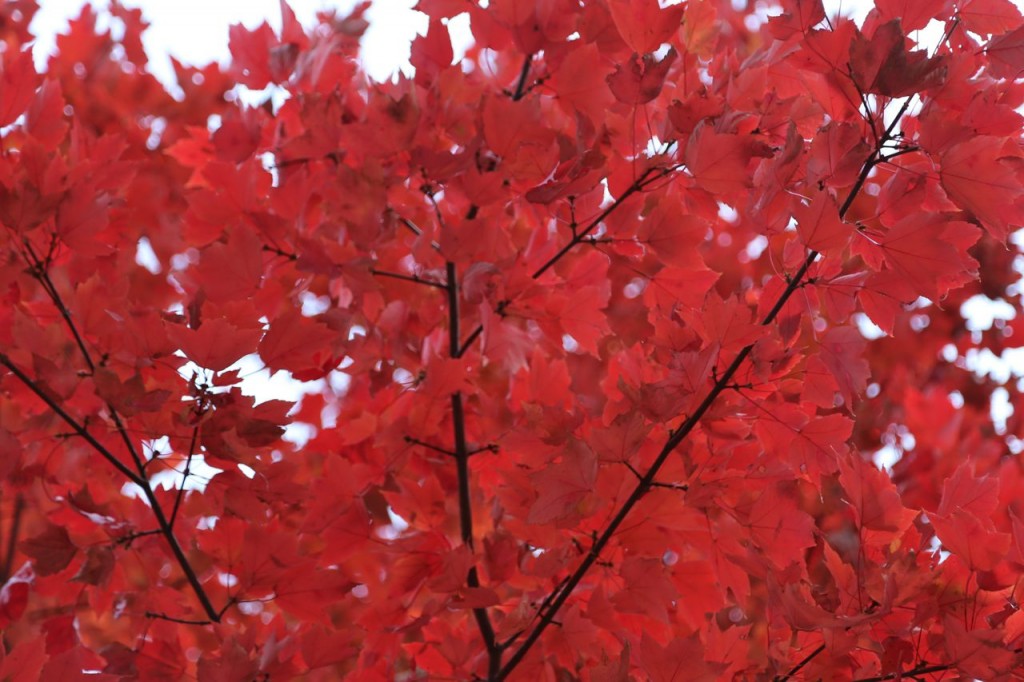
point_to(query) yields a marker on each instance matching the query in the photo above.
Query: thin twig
(796, 668)
(430, 446)
(523, 74)
(138, 477)
(416, 279)
(12, 538)
(184, 476)
(646, 178)
(71, 421)
(913, 672)
(173, 619)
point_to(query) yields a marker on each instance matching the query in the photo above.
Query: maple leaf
(989, 16)
(819, 224)
(644, 24)
(875, 499)
(930, 254)
(982, 176)
(564, 487)
(14, 596)
(779, 528)
(431, 53)
(881, 64)
(18, 81)
(718, 161)
(51, 550)
(1006, 54)
(304, 346)
(971, 538)
(217, 344)
(798, 16)
(641, 80)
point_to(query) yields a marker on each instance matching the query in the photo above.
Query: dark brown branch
(913, 672)
(184, 476)
(39, 272)
(138, 477)
(12, 538)
(71, 421)
(416, 279)
(646, 178)
(796, 668)
(412, 227)
(280, 252)
(128, 539)
(462, 456)
(523, 75)
(430, 446)
(678, 436)
(639, 184)
(173, 619)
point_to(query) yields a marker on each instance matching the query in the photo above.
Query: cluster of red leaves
(579, 320)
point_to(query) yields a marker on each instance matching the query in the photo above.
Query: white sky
(196, 31)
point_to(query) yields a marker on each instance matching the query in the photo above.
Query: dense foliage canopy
(602, 329)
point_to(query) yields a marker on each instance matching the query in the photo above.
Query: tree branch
(184, 476)
(796, 668)
(462, 455)
(679, 435)
(71, 421)
(913, 672)
(138, 477)
(416, 279)
(646, 178)
(12, 538)
(523, 74)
